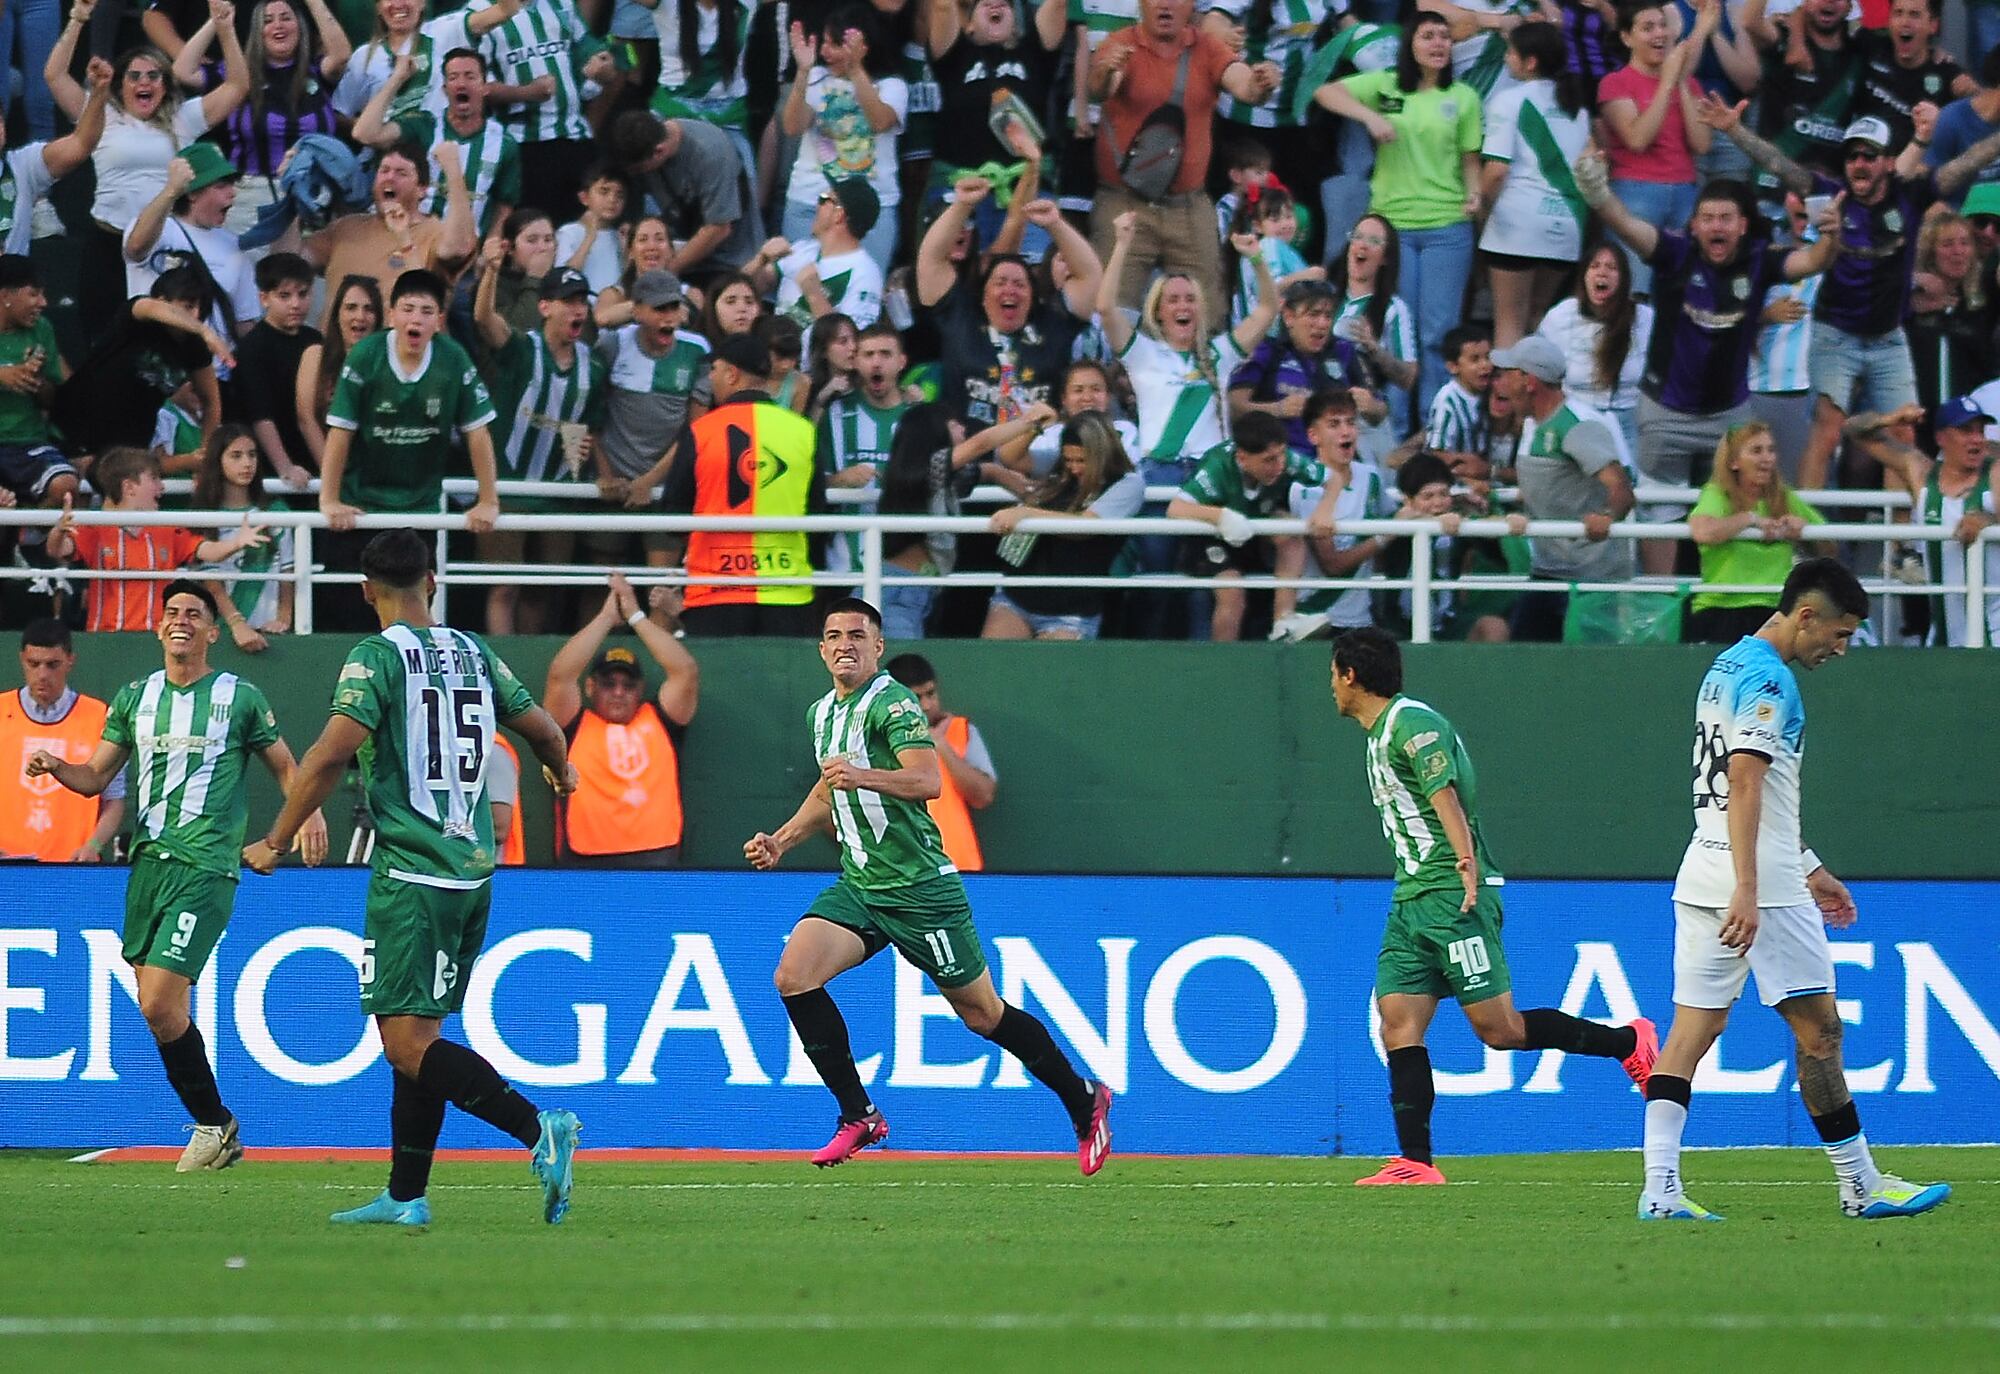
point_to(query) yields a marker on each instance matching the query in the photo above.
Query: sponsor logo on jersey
(553, 48)
(1423, 741)
(1766, 711)
(1434, 766)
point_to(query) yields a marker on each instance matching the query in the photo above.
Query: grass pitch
(907, 1263)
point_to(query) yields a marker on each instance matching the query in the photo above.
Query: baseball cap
(1958, 412)
(859, 200)
(1867, 129)
(744, 353)
(618, 659)
(210, 166)
(1983, 199)
(1535, 356)
(658, 288)
(565, 283)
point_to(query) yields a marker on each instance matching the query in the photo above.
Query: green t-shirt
(431, 700)
(1742, 560)
(886, 843)
(1419, 180)
(490, 157)
(1413, 754)
(189, 745)
(1219, 481)
(22, 419)
(535, 397)
(403, 424)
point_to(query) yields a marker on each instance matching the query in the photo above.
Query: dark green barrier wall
(1144, 758)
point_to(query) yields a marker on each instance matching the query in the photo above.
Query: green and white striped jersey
(1413, 754)
(885, 842)
(547, 38)
(533, 397)
(1098, 19)
(431, 700)
(698, 87)
(490, 156)
(853, 431)
(1284, 37)
(189, 746)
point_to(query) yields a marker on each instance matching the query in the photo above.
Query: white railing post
(437, 594)
(302, 579)
(1420, 589)
(871, 566)
(1975, 590)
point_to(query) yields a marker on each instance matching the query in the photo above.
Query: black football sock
(192, 1080)
(1411, 1094)
(1549, 1029)
(468, 1082)
(823, 1032)
(1028, 1040)
(416, 1115)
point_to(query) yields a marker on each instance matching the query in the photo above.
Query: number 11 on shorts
(940, 947)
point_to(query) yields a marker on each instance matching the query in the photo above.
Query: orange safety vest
(948, 808)
(750, 458)
(44, 818)
(514, 844)
(628, 797)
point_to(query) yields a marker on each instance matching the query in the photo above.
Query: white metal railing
(1421, 580)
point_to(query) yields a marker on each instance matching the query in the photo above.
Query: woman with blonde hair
(1744, 490)
(1950, 324)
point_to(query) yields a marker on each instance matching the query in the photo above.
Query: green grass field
(900, 1263)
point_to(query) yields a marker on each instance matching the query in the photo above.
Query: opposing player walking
(419, 702)
(1750, 898)
(187, 729)
(1443, 935)
(878, 768)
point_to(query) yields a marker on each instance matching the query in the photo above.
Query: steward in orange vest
(512, 837)
(39, 817)
(626, 811)
(969, 777)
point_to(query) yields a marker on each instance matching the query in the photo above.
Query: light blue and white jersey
(1749, 703)
(1781, 361)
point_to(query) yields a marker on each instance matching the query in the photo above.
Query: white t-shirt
(31, 181)
(1368, 495)
(604, 266)
(1566, 328)
(1529, 220)
(232, 269)
(369, 69)
(132, 157)
(1046, 447)
(1180, 414)
(1480, 61)
(853, 282)
(841, 140)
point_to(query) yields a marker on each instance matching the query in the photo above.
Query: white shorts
(1790, 957)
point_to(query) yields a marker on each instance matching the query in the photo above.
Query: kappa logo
(1770, 688)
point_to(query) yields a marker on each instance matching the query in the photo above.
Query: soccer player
(187, 729)
(1443, 935)
(878, 767)
(1751, 898)
(419, 702)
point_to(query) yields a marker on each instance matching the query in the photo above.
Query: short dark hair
(912, 670)
(47, 633)
(633, 137)
(284, 269)
(1829, 579)
(397, 558)
(1258, 431)
(882, 328)
(1460, 336)
(184, 284)
(414, 152)
(603, 170)
(1374, 659)
(851, 605)
(1328, 400)
(1729, 189)
(420, 281)
(457, 53)
(1419, 471)
(117, 466)
(187, 586)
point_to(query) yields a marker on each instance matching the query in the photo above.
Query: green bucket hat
(210, 166)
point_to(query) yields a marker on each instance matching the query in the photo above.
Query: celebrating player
(187, 729)
(418, 702)
(878, 768)
(1751, 898)
(1443, 936)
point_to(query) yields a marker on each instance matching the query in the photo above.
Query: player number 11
(940, 947)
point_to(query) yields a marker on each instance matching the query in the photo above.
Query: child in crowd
(1244, 160)
(230, 479)
(591, 243)
(1457, 429)
(131, 481)
(268, 359)
(1269, 212)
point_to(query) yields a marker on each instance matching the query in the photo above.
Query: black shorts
(1213, 557)
(27, 469)
(1514, 262)
(1076, 177)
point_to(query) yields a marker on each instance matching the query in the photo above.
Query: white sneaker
(212, 1147)
(1894, 1197)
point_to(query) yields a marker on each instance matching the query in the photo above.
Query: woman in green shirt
(1427, 132)
(1746, 490)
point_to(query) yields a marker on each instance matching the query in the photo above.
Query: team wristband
(635, 618)
(1810, 860)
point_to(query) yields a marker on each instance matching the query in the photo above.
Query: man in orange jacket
(970, 779)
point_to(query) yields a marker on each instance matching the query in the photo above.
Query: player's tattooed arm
(86, 779)
(539, 729)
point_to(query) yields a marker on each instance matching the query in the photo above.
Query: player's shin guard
(1411, 1095)
(822, 1032)
(416, 1115)
(1840, 1131)
(193, 1081)
(1666, 1117)
(1549, 1029)
(1028, 1040)
(468, 1082)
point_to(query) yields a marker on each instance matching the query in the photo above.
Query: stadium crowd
(1286, 257)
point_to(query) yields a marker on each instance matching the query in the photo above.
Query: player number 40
(1470, 954)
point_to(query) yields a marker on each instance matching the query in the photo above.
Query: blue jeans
(1431, 280)
(904, 609)
(1343, 197)
(1666, 204)
(35, 24)
(880, 242)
